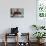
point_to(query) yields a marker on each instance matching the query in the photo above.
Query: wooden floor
(13, 44)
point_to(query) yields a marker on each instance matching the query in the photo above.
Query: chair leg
(5, 40)
(5, 43)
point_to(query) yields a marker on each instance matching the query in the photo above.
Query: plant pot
(40, 41)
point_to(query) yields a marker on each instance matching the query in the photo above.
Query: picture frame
(41, 12)
(16, 12)
(41, 8)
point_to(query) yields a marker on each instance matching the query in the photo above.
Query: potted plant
(39, 35)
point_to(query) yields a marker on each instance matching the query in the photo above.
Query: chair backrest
(14, 30)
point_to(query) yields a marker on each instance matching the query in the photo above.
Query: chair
(25, 43)
(14, 32)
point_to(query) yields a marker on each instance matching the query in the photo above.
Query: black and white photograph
(17, 12)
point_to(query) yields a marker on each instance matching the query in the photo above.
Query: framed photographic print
(17, 12)
(41, 12)
(41, 8)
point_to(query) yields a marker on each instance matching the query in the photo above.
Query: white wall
(24, 24)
